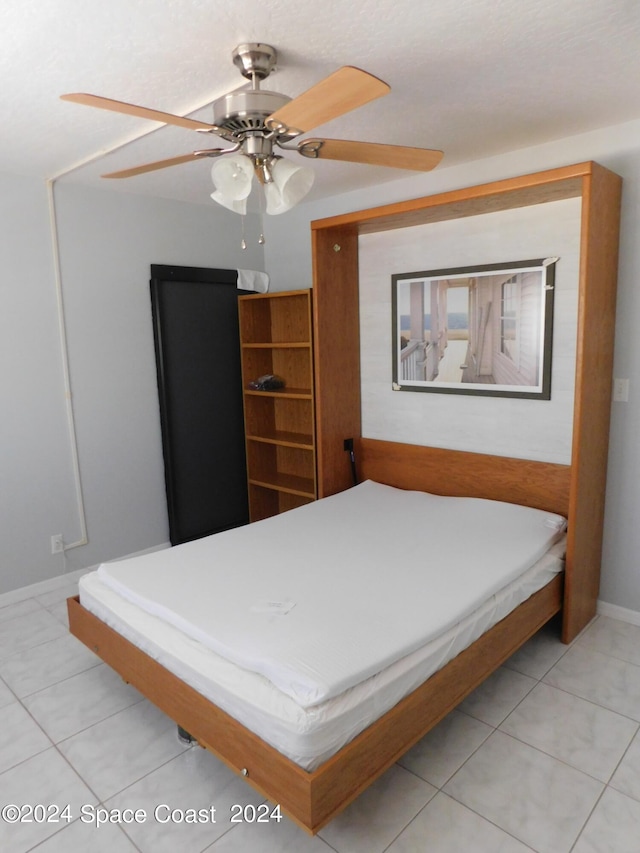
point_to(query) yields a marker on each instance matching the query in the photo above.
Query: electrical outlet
(621, 390)
(57, 544)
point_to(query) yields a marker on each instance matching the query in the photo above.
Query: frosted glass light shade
(290, 185)
(232, 177)
(236, 206)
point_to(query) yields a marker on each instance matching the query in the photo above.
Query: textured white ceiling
(472, 77)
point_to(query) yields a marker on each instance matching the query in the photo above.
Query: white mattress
(307, 735)
(322, 598)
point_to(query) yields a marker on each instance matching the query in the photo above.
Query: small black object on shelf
(268, 382)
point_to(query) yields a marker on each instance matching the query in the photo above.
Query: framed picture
(475, 330)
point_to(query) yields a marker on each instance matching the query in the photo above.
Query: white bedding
(308, 736)
(322, 598)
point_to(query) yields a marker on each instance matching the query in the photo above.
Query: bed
(313, 784)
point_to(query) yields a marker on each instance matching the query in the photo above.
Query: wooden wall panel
(336, 320)
(594, 365)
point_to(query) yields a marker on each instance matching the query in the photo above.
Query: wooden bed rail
(312, 799)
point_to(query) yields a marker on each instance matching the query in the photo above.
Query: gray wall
(107, 242)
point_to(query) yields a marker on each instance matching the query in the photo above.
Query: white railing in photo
(418, 362)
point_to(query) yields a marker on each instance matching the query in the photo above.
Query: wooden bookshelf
(275, 337)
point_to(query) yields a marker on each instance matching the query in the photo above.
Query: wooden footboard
(312, 799)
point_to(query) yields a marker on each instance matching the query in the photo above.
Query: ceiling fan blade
(371, 153)
(163, 164)
(133, 110)
(340, 92)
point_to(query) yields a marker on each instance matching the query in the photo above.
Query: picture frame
(485, 330)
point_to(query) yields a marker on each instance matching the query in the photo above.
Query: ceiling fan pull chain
(261, 199)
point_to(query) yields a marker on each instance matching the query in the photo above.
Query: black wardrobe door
(195, 319)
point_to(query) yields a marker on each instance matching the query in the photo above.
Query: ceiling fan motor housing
(245, 110)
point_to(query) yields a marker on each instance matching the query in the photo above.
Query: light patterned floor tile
(27, 631)
(79, 702)
(84, 835)
(627, 776)
(532, 796)
(58, 595)
(614, 826)
(540, 653)
(445, 748)
(60, 612)
(194, 780)
(446, 826)
(269, 837)
(118, 751)
(20, 608)
(35, 669)
(372, 821)
(613, 637)
(20, 736)
(48, 780)
(586, 736)
(6, 696)
(497, 696)
(607, 681)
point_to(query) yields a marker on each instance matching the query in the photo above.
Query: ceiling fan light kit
(232, 176)
(289, 185)
(254, 120)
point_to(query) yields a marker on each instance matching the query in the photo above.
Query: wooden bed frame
(576, 491)
(312, 799)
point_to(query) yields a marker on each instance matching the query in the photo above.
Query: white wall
(107, 242)
(288, 260)
(36, 483)
(530, 429)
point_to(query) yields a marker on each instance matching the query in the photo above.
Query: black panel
(195, 320)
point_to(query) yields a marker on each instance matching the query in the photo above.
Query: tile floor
(545, 756)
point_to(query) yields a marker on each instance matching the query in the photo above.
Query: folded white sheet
(323, 597)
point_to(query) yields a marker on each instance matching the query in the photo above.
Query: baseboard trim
(616, 612)
(52, 584)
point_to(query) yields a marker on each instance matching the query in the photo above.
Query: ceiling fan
(255, 121)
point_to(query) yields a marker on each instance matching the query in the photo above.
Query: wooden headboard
(338, 403)
(543, 485)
